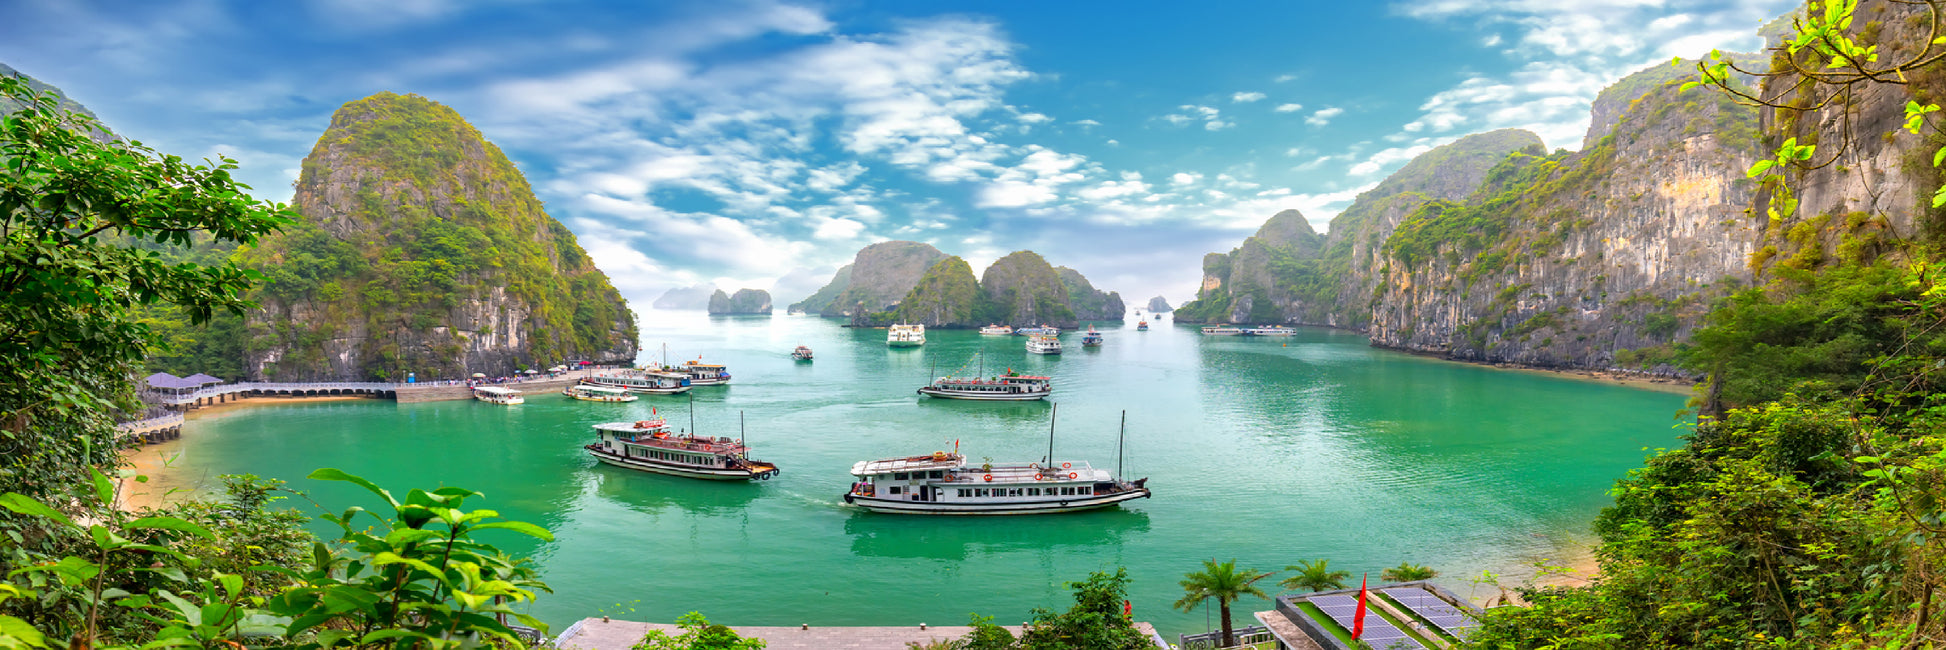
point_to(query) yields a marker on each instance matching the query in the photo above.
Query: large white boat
(592, 393)
(702, 374)
(1270, 330)
(648, 446)
(997, 330)
(1010, 387)
(653, 382)
(1222, 330)
(943, 484)
(1043, 344)
(905, 336)
(1048, 330)
(498, 395)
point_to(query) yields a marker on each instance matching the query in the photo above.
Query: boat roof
(1026, 377)
(699, 364)
(668, 375)
(495, 390)
(937, 460)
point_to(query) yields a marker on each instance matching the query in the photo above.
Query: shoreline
(168, 484)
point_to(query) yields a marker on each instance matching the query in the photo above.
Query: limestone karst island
(687, 325)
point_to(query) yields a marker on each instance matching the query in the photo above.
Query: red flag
(1358, 619)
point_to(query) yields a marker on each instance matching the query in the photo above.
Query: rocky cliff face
(946, 297)
(881, 275)
(690, 298)
(1022, 290)
(746, 301)
(1158, 305)
(1563, 260)
(1088, 302)
(423, 250)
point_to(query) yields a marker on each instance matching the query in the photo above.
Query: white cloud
(1217, 125)
(1386, 158)
(1085, 123)
(1284, 77)
(1323, 116)
(1034, 118)
(1247, 97)
(1289, 108)
(1208, 115)
(1184, 178)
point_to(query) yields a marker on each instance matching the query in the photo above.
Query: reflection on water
(1006, 414)
(957, 538)
(652, 493)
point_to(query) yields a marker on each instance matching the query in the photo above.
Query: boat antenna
(1051, 414)
(692, 414)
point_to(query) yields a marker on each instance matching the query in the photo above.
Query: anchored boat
(653, 382)
(997, 330)
(1011, 387)
(593, 393)
(1270, 330)
(1043, 344)
(648, 446)
(498, 395)
(703, 374)
(944, 484)
(1222, 330)
(1092, 339)
(905, 336)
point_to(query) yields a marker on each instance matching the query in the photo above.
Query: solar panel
(1379, 632)
(1434, 609)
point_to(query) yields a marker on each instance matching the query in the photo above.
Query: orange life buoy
(989, 478)
(1066, 465)
(1033, 466)
(1073, 475)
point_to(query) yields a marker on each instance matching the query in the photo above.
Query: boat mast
(692, 414)
(1118, 445)
(1051, 414)
(741, 433)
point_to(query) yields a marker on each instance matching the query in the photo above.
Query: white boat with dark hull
(997, 330)
(653, 382)
(498, 395)
(1270, 330)
(1005, 388)
(648, 446)
(943, 484)
(592, 393)
(905, 336)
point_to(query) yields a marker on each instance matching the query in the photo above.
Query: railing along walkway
(273, 387)
(139, 427)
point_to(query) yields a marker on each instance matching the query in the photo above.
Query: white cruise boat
(498, 395)
(1043, 344)
(1270, 330)
(943, 484)
(1005, 388)
(592, 393)
(648, 446)
(703, 374)
(1048, 330)
(997, 330)
(1222, 330)
(905, 336)
(653, 382)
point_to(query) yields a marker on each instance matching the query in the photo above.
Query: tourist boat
(1270, 330)
(594, 393)
(997, 330)
(1223, 330)
(648, 446)
(943, 484)
(653, 382)
(1092, 339)
(905, 336)
(1043, 344)
(703, 374)
(1011, 387)
(802, 353)
(498, 395)
(1142, 326)
(1047, 330)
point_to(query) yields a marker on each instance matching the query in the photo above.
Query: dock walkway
(595, 634)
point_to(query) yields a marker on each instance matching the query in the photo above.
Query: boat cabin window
(935, 474)
(963, 492)
(1067, 491)
(899, 476)
(1084, 490)
(1033, 492)
(895, 489)
(980, 492)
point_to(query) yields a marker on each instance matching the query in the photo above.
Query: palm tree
(1408, 572)
(1222, 581)
(1315, 575)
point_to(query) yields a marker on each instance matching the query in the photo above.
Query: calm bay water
(1270, 451)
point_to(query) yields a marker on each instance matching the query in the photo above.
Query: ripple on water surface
(1267, 450)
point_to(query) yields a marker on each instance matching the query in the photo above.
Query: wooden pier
(155, 429)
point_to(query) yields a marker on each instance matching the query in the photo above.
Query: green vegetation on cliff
(419, 237)
(1023, 289)
(945, 297)
(746, 301)
(816, 302)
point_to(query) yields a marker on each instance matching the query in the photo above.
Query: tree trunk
(1229, 638)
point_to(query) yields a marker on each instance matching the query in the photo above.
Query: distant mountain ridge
(914, 282)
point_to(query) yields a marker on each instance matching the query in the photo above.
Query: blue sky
(760, 144)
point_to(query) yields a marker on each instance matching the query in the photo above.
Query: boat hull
(904, 344)
(983, 397)
(657, 467)
(1049, 506)
(705, 382)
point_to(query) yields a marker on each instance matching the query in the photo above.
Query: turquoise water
(1270, 451)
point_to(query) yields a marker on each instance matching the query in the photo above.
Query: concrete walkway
(593, 634)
